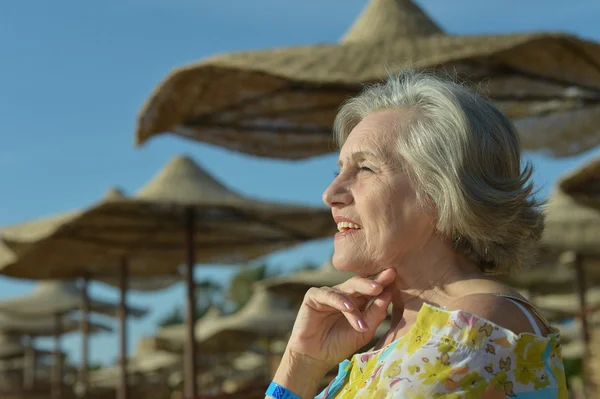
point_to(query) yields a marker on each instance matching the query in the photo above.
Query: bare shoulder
(498, 310)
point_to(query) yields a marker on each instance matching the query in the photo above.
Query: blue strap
(276, 391)
(338, 382)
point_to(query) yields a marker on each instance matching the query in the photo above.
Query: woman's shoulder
(482, 324)
(507, 311)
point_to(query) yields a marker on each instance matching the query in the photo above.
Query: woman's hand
(335, 322)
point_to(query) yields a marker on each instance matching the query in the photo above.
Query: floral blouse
(451, 355)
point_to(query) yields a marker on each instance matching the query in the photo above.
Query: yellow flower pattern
(455, 355)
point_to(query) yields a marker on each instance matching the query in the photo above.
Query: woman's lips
(345, 233)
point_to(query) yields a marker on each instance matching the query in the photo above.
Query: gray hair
(466, 164)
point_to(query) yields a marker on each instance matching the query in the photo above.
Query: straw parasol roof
(229, 228)
(144, 284)
(584, 184)
(558, 277)
(139, 368)
(295, 286)
(42, 370)
(171, 338)
(281, 102)
(567, 303)
(55, 297)
(147, 362)
(570, 226)
(7, 256)
(12, 347)
(248, 361)
(43, 326)
(94, 261)
(265, 315)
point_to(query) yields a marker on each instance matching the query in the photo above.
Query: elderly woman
(430, 200)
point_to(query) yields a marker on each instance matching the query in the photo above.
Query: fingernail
(362, 324)
(348, 305)
(374, 285)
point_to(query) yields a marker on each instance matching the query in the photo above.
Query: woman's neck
(424, 276)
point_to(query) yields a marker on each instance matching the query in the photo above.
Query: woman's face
(379, 218)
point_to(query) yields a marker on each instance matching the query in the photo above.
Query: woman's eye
(365, 169)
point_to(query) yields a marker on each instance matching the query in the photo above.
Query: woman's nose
(337, 195)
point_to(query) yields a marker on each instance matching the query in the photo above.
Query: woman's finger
(385, 277)
(378, 311)
(328, 299)
(360, 286)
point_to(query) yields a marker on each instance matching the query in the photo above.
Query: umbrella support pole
(29, 370)
(123, 389)
(585, 331)
(57, 375)
(269, 359)
(190, 387)
(85, 337)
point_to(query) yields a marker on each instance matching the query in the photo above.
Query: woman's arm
(332, 324)
(300, 374)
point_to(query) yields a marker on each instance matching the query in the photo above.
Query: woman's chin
(345, 262)
(340, 262)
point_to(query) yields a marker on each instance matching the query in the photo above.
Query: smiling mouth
(347, 226)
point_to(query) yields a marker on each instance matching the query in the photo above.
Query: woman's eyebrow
(358, 156)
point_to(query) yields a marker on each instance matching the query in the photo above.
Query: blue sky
(74, 74)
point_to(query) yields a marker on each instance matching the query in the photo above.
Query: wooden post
(269, 359)
(29, 370)
(123, 389)
(190, 388)
(85, 336)
(57, 375)
(585, 331)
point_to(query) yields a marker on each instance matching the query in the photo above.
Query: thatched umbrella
(295, 286)
(172, 338)
(42, 325)
(55, 299)
(182, 215)
(13, 348)
(552, 276)
(281, 102)
(142, 366)
(147, 365)
(213, 352)
(265, 316)
(573, 228)
(104, 273)
(584, 184)
(568, 303)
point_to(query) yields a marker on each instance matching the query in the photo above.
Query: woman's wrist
(300, 374)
